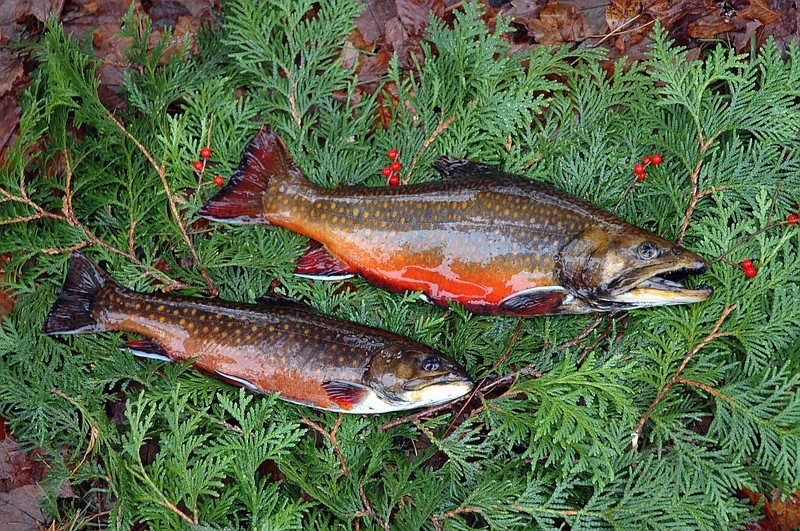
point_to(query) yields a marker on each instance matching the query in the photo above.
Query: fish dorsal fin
(146, 348)
(319, 264)
(346, 395)
(534, 301)
(276, 299)
(453, 168)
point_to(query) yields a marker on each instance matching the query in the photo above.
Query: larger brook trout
(279, 346)
(494, 242)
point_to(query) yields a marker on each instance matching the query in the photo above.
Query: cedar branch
(714, 334)
(172, 205)
(331, 436)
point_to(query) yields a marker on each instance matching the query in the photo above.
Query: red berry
(641, 176)
(656, 159)
(394, 180)
(638, 169)
(395, 166)
(750, 272)
(393, 154)
(218, 180)
(387, 171)
(646, 160)
(792, 219)
(198, 165)
(205, 153)
(747, 264)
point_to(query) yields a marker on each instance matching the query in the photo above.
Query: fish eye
(429, 364)
(647, 251)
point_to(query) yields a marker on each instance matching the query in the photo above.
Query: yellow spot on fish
(160, 307)
(182, 322)
(341, 359)
(194, 311)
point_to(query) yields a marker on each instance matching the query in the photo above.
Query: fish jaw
(646, 287)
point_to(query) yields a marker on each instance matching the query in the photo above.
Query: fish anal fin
(238, 381)
(346, 395)
(319, 263)
(535, 301)
(147, 348)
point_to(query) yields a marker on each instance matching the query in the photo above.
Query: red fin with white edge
(535, 301)
(241, 202)
(344, 394)
(238, 381)
(319, 264)
(146, 348)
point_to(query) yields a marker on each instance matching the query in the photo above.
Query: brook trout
(279, 346)
(494, 242)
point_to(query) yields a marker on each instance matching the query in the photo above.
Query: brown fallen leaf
(760, 11)
(779, 515)
(708, 27)
(19, 509)
(373, 18)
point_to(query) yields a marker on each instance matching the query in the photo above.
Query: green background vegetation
(170, 448)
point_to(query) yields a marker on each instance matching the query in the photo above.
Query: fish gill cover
(647, 419)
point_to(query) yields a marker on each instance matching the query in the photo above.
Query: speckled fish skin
(496, 243)
(311, 359)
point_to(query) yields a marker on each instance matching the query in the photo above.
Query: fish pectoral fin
(146, 348)
(534, 301)
(238, 381)
(345, 394)
(319, 263)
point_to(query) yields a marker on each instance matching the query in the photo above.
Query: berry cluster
(639, 169)
(792, 218)
(390, 171)
(749, 270)
(199, 165)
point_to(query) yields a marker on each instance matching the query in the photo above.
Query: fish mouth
(442, 390)
(658, 286)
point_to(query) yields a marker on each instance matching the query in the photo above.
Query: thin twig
(625, 194)
(443, 125)
(714, 334)
(619, 29)
(706, 388)
(774, 200)
(172, 205)
(747, 238)
(331, 436)
(437, 520)
(370, 511)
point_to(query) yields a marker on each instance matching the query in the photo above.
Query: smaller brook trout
(493, 242)
(278, 346)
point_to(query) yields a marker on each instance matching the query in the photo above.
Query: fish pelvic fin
(319, 264)
(265, 163)
(72, 311)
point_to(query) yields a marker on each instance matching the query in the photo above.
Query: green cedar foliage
(166, 446)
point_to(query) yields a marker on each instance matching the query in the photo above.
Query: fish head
(409, 374)
(627, 268)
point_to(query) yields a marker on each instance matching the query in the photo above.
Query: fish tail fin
(265, 163)
(71, 313)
